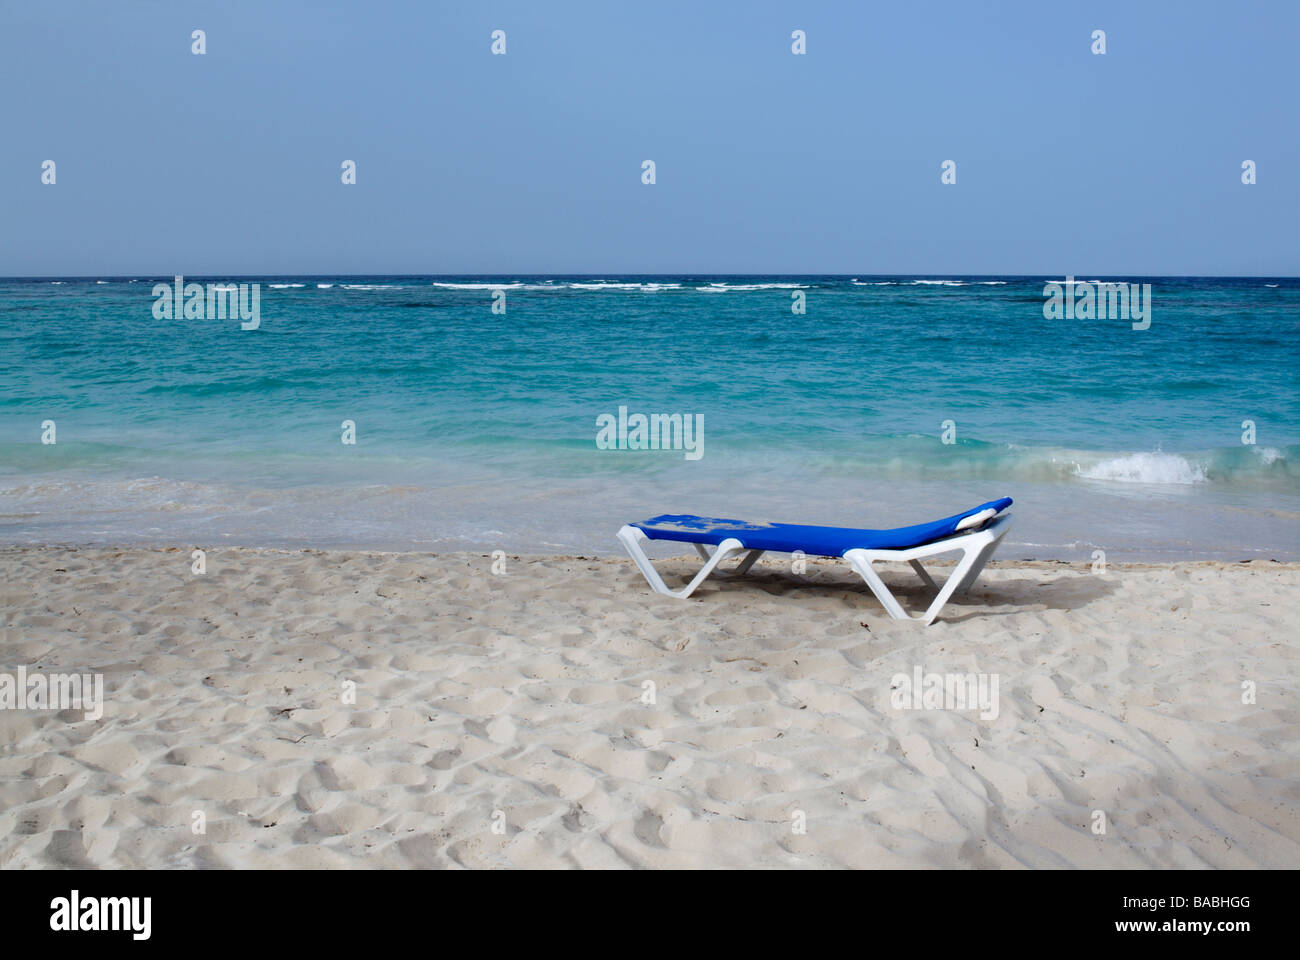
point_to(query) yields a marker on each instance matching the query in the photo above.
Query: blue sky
(229, 163)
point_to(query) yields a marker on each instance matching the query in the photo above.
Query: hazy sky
(1067, 162)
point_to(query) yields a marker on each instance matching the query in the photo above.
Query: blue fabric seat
(813, 540)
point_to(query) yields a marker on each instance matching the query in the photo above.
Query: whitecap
(727, 288)
(1155, 467)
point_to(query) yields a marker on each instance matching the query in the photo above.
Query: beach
(345, 708)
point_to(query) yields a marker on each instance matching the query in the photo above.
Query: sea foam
(1146, 468)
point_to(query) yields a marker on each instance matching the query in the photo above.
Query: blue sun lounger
(975, 533)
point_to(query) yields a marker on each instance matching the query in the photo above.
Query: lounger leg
(742, 568)
(978, 566)
(860, 562)
(632, 537)
(923, 574)
(976, 549)
(955, 579)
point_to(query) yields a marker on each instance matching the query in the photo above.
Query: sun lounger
(974, 533)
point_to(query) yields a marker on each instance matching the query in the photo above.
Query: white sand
(522, 694)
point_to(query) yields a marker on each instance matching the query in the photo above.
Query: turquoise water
(477, 430)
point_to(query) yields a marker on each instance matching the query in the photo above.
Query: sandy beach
(559, 714)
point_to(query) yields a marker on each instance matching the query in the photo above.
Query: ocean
(888, 401)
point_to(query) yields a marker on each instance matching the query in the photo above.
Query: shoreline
(1006, 557)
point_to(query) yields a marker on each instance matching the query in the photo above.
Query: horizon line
(937, 276)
